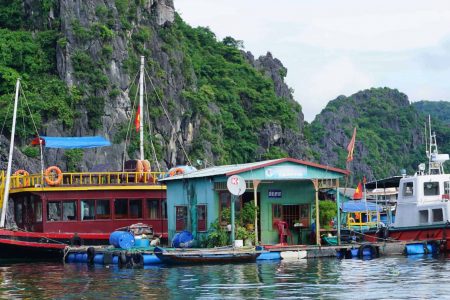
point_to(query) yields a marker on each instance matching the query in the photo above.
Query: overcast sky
(333, 48)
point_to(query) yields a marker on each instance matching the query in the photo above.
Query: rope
(155, 158)
(44, 237)
(129, 123)
(168, 118)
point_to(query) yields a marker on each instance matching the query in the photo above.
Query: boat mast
(141, 106)
(11, 148)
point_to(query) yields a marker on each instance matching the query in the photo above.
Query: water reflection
(421, 277)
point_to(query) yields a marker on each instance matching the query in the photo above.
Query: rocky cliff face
(97, 52)
(389, 133)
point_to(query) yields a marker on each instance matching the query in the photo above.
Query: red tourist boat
(45, 212)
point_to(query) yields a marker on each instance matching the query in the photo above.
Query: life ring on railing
(176, 171)
(49, 176)
(22, 173)
(147, 170)
(139, 170)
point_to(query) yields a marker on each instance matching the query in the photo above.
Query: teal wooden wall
(293, 192)
(294, 180)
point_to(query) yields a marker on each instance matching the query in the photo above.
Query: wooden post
(316, 188)
(255, 196)
(338, 203)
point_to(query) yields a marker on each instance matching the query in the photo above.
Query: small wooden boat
(194, 256)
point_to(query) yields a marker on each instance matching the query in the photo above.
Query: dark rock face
(292, 141)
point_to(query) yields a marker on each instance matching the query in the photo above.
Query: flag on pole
(137, 120)
(358, 192)
(351, 146)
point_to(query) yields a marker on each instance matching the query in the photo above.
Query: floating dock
(136, 257)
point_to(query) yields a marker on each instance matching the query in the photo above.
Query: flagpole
(141, 105)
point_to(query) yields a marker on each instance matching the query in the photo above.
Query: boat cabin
(88, 202)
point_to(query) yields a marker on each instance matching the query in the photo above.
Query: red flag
(358, 192)
(137, 120)
(351, 146)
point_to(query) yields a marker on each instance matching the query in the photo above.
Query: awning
(72, 142)
(360, 206)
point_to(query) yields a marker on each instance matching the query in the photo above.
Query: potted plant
(248, 215)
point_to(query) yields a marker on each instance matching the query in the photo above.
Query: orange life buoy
(139, 170)
(50, 174)
(146, 165)
(22, 173)
(176, 171)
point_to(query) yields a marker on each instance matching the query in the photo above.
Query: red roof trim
(297, 161)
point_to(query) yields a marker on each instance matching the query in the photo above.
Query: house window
(87, 210)
(423, 216)
(181, 218)
(225, 203)
(103, 210)
(408, 189)
(153, 209)
(431, 188)
(136, 209)
(201, 217)
(291, 214)
(438, 215)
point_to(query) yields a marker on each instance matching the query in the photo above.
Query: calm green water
(393, 278)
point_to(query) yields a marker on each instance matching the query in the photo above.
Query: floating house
(285, 191)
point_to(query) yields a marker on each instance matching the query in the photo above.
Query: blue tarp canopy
(72, 142)
(359, 206)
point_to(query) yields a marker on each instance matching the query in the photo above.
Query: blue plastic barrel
(151, 259)
(71, 258)
(354, 252)
(141, 243)
(121, 239)
(419, 248)
(98, 259)
(269, 256)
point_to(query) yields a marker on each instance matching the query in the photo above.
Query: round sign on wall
(236, 185)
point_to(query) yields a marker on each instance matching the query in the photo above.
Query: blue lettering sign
(275, 194)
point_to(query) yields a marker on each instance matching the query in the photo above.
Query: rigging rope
(168, 118)
(155, 158)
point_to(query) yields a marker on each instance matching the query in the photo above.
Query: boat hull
(205, 257)
(37, 245)
(434, 233)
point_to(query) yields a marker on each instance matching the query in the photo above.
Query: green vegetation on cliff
(233, 99)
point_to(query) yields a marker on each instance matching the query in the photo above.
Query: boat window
(69, 210)
(18, 211)
(164, 209)
(54, 211)
(447, 187)
(431, 188)
(201, 217)
(88, 210)
(423, 216)
(103, 210)
(438, 215)
(153, 212)
(408, 189)
(136, 209)
(121, 208)
(181, 218)
(38, 211)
